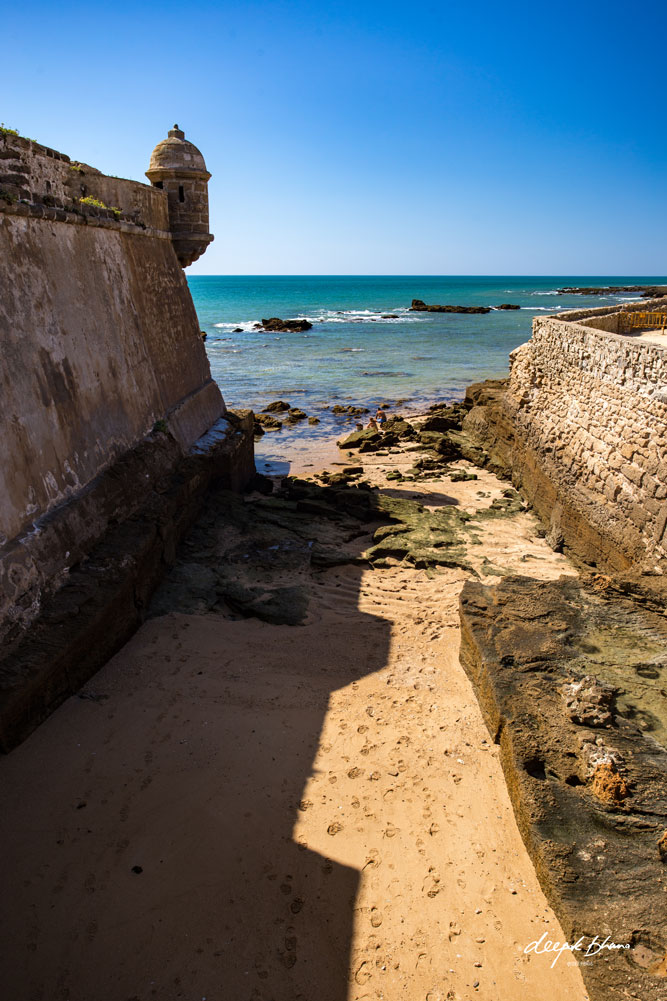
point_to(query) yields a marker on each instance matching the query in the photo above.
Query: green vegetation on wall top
(96, 203)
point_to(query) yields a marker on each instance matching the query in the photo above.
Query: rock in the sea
(313, 420)
(507, 305)
(295, 414)
(277, 407)
(275, 324)
(420, 307)
(237, 330)
(268, 422)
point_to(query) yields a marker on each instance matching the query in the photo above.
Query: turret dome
(176, 153)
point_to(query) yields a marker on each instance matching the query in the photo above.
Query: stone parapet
(582, 427)
(36, 176)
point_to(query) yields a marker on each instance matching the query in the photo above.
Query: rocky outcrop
(420, 307)
(647, 291)
(570, 678)
(507, 305)
(275, 324)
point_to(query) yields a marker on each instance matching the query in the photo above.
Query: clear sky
(372, 137)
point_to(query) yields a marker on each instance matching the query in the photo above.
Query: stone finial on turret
(178, 168)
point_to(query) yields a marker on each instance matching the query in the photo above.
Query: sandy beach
(233, 809)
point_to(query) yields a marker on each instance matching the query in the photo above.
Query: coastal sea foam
(365, 346)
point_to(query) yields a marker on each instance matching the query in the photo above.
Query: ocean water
(356, 353)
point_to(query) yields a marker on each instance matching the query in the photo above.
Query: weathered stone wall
(34, 175)
(582, 425)
(100, 344)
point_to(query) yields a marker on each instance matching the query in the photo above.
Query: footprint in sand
(376, 917)
(334, 828)
(363, 973)
(354, 773)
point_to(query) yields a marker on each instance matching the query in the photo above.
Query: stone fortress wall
(582, 424)
(105, 384)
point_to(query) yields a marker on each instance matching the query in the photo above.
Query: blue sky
(373, 138)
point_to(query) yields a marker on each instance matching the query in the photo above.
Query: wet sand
(238, 810)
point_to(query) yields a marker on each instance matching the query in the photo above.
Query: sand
(238, 811)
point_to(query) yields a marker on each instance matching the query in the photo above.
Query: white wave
(245, 325)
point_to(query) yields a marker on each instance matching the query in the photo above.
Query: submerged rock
(277, 407)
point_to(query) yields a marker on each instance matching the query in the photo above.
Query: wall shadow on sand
(149, 826)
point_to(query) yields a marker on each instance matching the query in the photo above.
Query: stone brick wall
(34, 177)
(591, 406)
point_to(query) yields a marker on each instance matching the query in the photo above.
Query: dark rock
(262, 484)
(420, 307)
(461, 475)
(358, 438)
(441, 422)
(275, 324)
(277, 407)
(268, 422)
(295, 414)
(507, 305)
(313, 420)
(237, 330)
(647, 291)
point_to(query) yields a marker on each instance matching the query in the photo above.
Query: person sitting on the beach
(381, 417)
(372, 424)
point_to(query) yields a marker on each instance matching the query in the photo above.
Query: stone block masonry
(582, 424)
(106, 397)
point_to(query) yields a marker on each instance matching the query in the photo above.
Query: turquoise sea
(353, 354)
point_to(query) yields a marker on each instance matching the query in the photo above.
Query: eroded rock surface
(571, 679)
